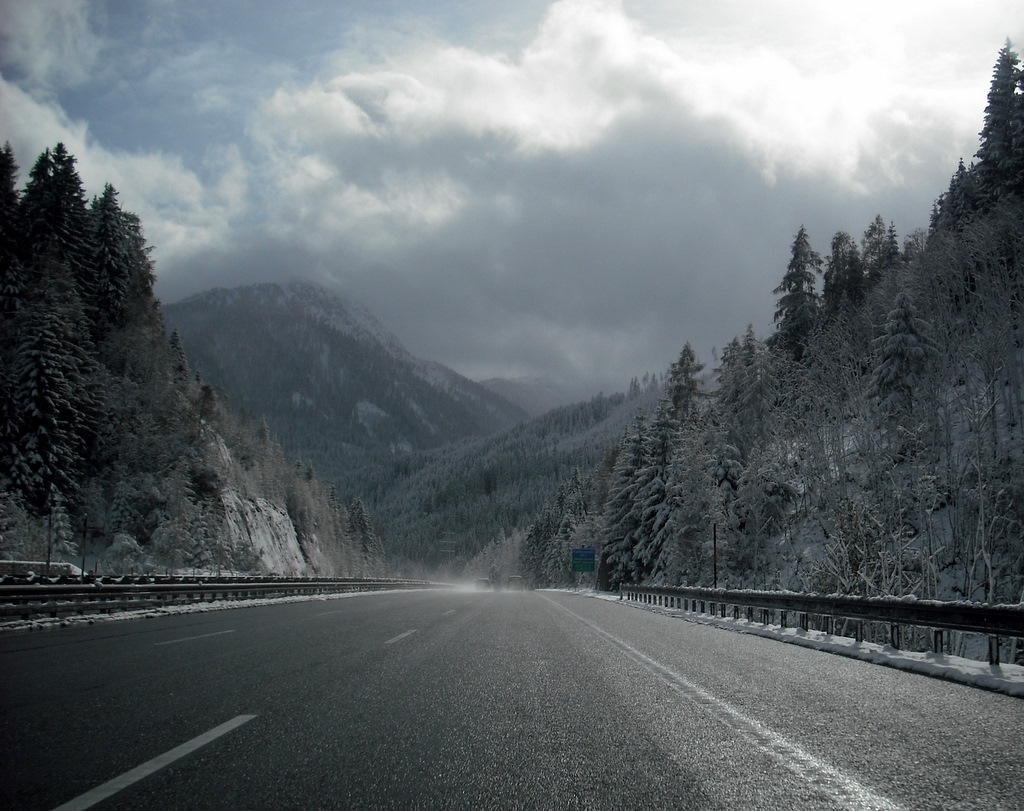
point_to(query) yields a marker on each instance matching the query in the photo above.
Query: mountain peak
(327, 374)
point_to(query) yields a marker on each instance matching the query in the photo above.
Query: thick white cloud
(51, 41)
(817, 96)
(575, 199)
(181, 215)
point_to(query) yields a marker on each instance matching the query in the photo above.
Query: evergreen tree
(682, 385)
(798, 301)
(52, 374)
(651, 487)
(903, 350)
(538, 536)
(12, 278)
(54, 212)
(179, 362)
(1001, 153)
(844, 275)
(693, 504)
(11, 284)
(880, 251)
(112, 260)
(958, 205)
(568, 513)
(62, 537)
(623, 508)
(369, 545)
(14, 527)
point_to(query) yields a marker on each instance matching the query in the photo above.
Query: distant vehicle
(515, 583)
(483, 584)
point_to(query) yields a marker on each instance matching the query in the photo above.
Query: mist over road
(460, 699)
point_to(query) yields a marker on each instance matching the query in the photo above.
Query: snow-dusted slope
(327, 375)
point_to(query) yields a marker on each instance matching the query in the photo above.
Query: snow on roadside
(1003, 678)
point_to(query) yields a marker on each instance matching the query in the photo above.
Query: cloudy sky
(570, 189)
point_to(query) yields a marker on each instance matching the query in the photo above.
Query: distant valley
(332, 383)
(444, 464)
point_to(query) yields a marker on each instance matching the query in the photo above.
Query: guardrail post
(894, 636)
(937, 640)
(858, 631)
(803, 621)
(782, 619)
(993, 650)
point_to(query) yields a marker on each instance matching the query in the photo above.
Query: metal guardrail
(54, 599)
(995, 621)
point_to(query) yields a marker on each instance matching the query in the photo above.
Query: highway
(475, 700)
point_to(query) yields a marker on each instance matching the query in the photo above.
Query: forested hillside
(331, 382)
(102, 424)
(873, 444)
(440, 508)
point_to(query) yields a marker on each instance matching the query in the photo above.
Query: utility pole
(49, 542)
(714, 554)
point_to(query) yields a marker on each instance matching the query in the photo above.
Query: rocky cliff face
(264, 533)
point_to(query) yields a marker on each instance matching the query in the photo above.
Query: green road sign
(583, 560)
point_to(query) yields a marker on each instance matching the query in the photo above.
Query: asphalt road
(482, 700)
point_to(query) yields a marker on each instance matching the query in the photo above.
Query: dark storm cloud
(570, 189)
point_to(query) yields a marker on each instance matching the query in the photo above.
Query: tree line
(101, 421)
(871, 445)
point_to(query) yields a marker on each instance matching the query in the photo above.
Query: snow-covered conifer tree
(797, 307)
(622, 511)
(651, 487)
(844, 274)
(693, 504)
(12, 274)
(682, 386)
(111, 257)
(55, 218)
(52, 374)
(372, 551)
(1001, 153)
(903, 351)
(880, 251)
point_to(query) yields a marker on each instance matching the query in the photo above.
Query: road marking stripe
(111, 787)
(845, 790)
(400, 636)
(446, 613)
(190, 638)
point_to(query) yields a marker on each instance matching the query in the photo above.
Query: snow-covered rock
(259, 527)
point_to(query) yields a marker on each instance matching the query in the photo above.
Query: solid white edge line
(190, 638)
(111, 787)
(400, 637)
(842, 788)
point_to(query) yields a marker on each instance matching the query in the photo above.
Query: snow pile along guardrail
(36, 598)
(995, 621)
